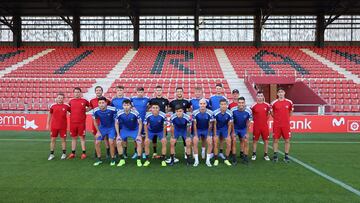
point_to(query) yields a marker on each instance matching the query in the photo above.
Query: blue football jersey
(106, 117)
(180, 123)
(128, 120)
(195, 103)
(140, 104)
(155, 123)
(222, 119)
(241, 117)
(203, 118)
(117, 102)
(214, 101)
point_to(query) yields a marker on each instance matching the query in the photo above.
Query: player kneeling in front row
(180, 126)
(57, 122)
(241, 116)
(131, 125)
(105, 129)
(155, 127)
(223, 119)
(203, 120)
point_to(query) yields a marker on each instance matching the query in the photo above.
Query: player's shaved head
(202, 103)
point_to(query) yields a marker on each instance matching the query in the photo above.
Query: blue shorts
(178, 134)
(241, 133)
(107, 132)
(222, 132)
(159, 135)
(125, 133)
(203, 133)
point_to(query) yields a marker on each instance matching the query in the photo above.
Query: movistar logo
(336, 122)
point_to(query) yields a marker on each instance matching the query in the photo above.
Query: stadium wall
(300, 93)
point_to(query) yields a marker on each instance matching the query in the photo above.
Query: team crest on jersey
(287, 107)
(63, 109)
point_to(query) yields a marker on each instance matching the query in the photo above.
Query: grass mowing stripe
(293, 142)
(316, 171)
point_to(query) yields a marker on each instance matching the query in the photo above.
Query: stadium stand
(35, 93)
(34, 85)
(11, 55)
(174, 62)
(345, 57)
(286, 61)
(64, 62)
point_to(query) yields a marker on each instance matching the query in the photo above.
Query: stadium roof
(177, 7)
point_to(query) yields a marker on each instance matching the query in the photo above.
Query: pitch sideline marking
(324, 175)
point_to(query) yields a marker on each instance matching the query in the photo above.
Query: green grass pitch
(27, 176)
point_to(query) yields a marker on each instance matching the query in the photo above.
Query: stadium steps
(332, 65)
(231, 76)
(114, 74)
(24, 62)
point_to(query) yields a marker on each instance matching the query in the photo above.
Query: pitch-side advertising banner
(299, 123)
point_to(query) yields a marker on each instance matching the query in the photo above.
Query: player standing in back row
(163, 104)
(140, 103)
(281, 110)
(261, 112)
(78, 108)
(57, 122)
(185, 105)
(214, 103)
(93, 104)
